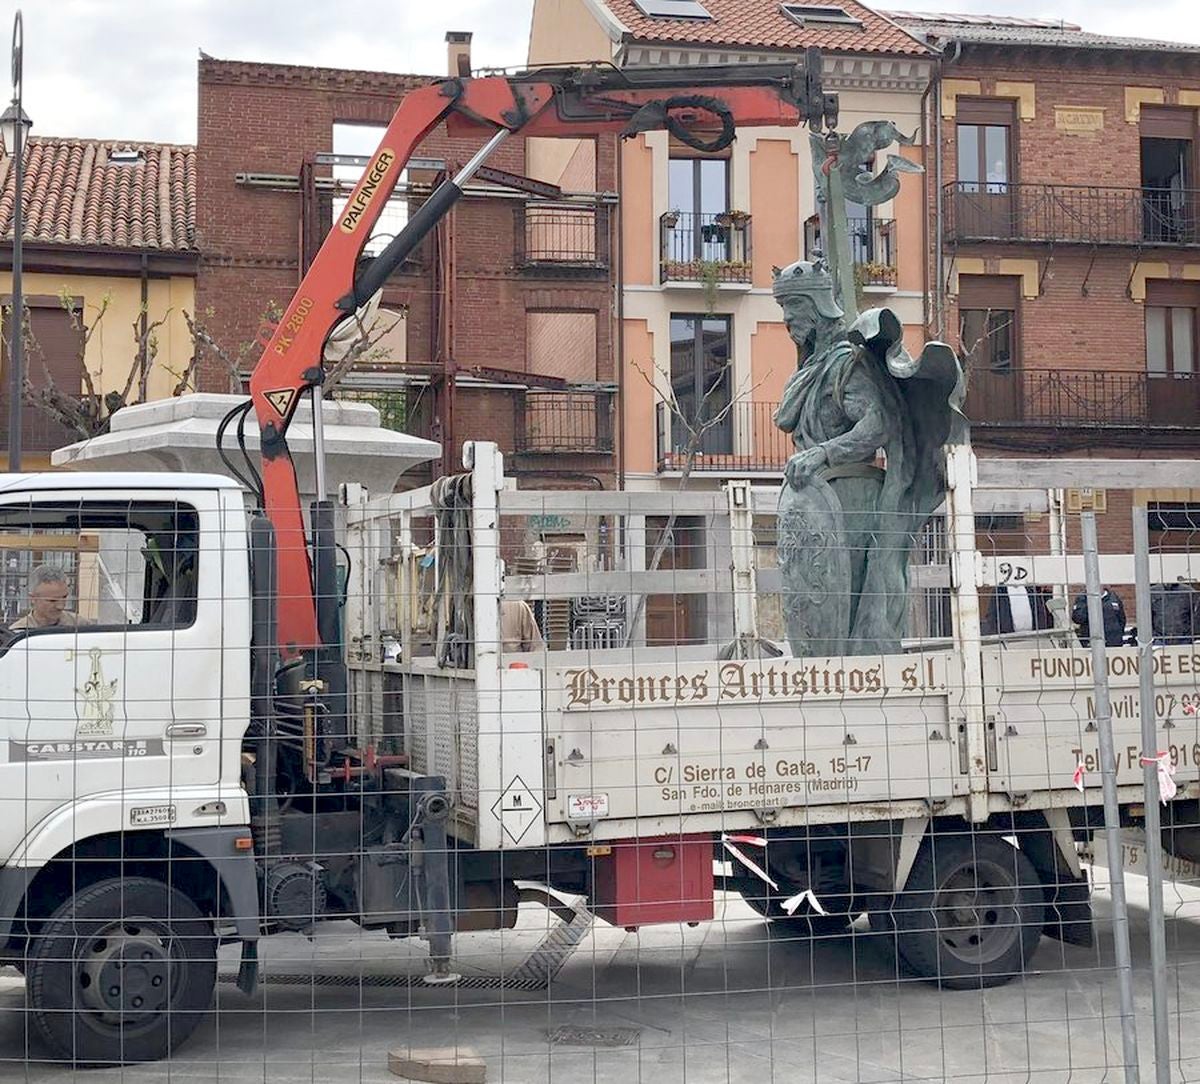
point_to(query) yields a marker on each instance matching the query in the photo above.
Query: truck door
(110, 658)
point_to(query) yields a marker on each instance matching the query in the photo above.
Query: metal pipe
(17, 337)
(1154, 858)
(939, 262)
(1108, 779)
(318, 401)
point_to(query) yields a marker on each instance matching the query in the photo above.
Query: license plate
(152, 814)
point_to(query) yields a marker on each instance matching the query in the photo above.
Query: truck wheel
(972, 912)
(122, 972)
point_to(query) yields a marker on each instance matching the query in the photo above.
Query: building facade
(702, 335)
(109, 245)
(498, 328)
(1065, 189)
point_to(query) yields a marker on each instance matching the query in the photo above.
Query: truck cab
(123, 709)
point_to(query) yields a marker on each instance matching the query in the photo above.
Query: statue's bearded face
(804, 324)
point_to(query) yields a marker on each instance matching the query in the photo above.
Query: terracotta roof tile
(762, 24)
(77, 193)
(989, 30)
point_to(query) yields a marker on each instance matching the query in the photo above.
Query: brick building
(499, 325)
(1064, 185)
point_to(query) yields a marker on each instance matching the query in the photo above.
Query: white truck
(165, 792)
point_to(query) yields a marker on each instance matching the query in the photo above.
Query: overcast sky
(126, 69)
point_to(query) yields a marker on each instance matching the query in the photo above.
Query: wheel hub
(971, 911)
(125, 971)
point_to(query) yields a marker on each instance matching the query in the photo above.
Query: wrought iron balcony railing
(568, 422)
(746, 439)
(564, 236)
(702, 247)
(872, 248)
(1104, 399)
(1071, 214)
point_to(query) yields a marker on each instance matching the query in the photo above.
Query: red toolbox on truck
(656, 879)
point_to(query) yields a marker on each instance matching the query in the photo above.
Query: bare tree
(697, 425)
(88, 410)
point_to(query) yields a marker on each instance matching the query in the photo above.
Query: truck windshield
(106, 564)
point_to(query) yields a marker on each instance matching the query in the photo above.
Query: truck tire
(122, 972)
(972, 912)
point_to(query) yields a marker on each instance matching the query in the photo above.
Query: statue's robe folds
(845, 535)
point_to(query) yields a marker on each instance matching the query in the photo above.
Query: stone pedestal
(181, 435)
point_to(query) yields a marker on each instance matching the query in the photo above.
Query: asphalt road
(728, 1001)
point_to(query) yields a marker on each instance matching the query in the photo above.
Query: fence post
(1154, 859)
(1108, 779)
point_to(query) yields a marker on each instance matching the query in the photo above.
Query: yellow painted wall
(775, 197)
(639, 235)
(639, 421)
(566, 32)
(909, 209)
(112, 348)
(772, 361)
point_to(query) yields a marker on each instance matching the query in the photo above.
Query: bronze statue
(869, 423)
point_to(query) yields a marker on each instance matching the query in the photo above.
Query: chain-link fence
(602, 785)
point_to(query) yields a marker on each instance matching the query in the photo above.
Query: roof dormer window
(813, 14)
(125, 156)
(673, 9)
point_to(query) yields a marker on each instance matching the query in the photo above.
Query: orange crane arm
(566, 102)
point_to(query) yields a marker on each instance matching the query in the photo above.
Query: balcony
(746, 440)
(1071, 214)
(705, 248)
(559, 238)
(872, 248)
(1085, 399)
(568, 422)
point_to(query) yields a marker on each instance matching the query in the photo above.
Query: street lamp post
(15, 125)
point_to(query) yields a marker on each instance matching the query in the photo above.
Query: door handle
(187, 730)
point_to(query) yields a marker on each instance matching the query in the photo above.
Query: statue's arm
(863, 405)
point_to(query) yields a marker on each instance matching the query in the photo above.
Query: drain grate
(547, 960)
(571, 1035)
(536, 972)
(413, 982)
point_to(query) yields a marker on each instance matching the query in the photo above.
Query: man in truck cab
(48, 593)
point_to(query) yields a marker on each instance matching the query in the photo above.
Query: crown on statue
(809, 279)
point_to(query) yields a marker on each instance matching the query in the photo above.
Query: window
(562, 344)
(1170, 340)
(702, 381)
(1168, 153)
(988, 312)
(805, 14)
(356, 143)
(110, 564)
(984, 146)
(53, 354)
(1174, 526)
(698, 189)
(672, 9)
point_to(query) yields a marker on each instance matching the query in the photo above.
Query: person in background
(48, 592)
(1114, 618)
(1016, 608)
(518, 627)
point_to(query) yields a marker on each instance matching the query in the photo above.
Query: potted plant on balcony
(671, 218)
